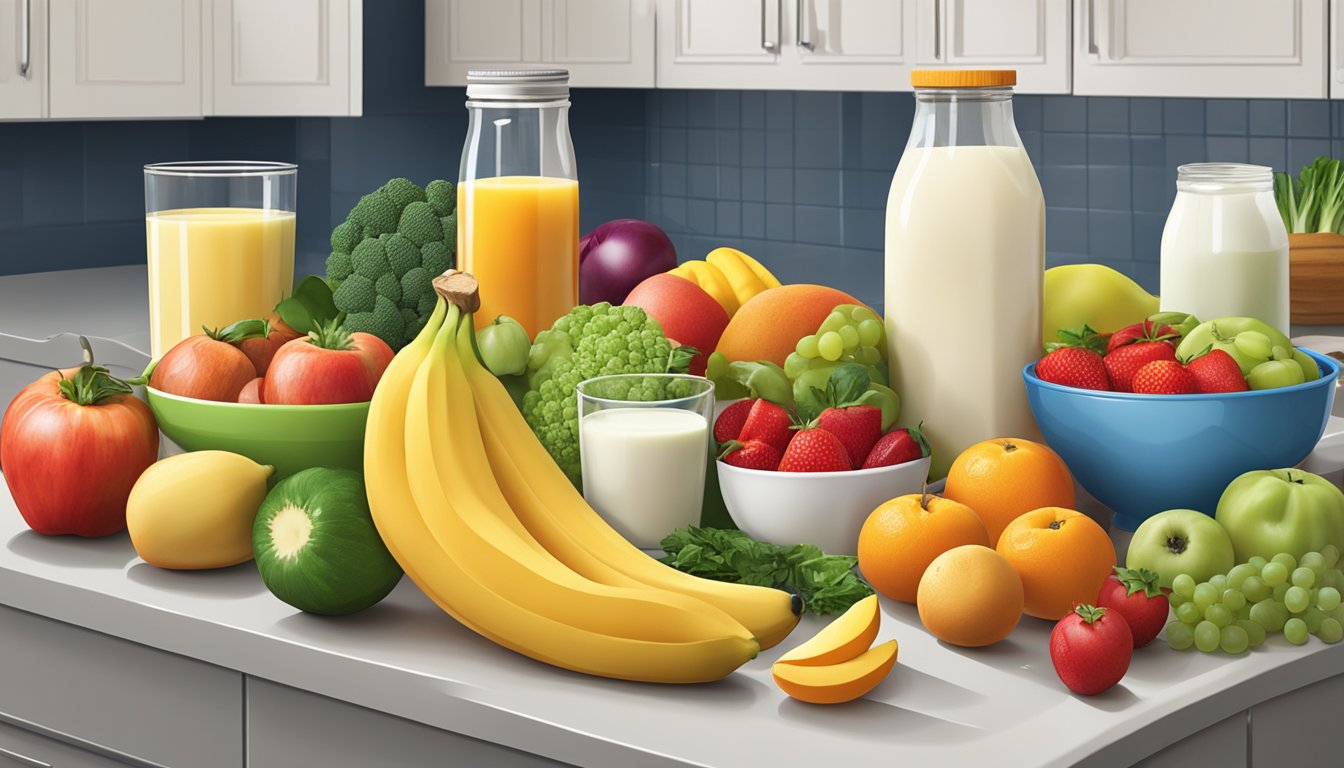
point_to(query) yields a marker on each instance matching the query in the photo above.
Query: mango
(1092, 294)
(837, 683)
(196, 510)
(843, 639)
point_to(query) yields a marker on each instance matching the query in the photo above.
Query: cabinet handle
(803, 41)
(937, 30)
(26, 56)
(23, 759)
(766, 42)
(1092, 27)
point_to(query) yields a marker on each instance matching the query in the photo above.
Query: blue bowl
(1142, 454)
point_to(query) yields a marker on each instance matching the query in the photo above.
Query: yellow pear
(837, 683)
(842, 639)
(1092, 294)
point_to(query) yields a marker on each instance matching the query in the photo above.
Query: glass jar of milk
(1224, 248)
(965, 263)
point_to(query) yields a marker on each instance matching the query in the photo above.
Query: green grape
(833, 322)
(1180, 636)
(868, 356)
(1243, 613)
(1219, 582)
(1296, 599)
(1205, 595)
(1314, 617)
(1189, 613)
(1234, 599)
(1338, 614)
(1208, 635)
(1238, 574)
(1253, 344)
(1184, 585)
(830, 345)
(1255, 589)
(870, 332)
(1314, 561)
(1303, 577)
(1281, 353)
(1234, 639)
(1274, 573)
(1331, 631)
(807, 347)
(1295, 630)
(1254, 632)
(1257, 562)
(1269, 615)
(796, 365)
(1332, 578)
(850, 336)
(1280, 592)
(1285, 559)
(1330, 555)
(1327, 599)
(860, 313)
(1218, 614)
(1176, 601)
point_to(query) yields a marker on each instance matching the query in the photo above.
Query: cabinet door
(1257, 48)
(722, 43)
(1030, 36)
(603, 43)
(125, 58)
(858, 45)
(298, 57)
(23, 58)
(465, 34)
(1336, 49)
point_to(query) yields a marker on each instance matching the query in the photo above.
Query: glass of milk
(644, 460)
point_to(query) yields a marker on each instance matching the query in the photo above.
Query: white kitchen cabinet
(125, 58)
(296, 57)
(1200, 48)
(1336, 71)
(603, 43)
(1030, 36)
(786, 44)
(23, 59)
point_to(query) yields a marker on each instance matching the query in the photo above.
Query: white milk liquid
(965, 260)
(644, 469)
(1226, 254)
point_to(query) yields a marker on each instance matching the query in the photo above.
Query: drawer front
(24, 749)
(287, 727)
(1300, 727)
(123, 696)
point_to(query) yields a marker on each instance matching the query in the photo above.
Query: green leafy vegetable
(1314, 201)
(828, 584)
(311, 306)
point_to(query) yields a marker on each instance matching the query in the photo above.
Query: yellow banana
(766, 277)
(744, 281)
(557, 515)
(711, 281)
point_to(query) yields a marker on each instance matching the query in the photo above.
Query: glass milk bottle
(965, 261)
(518, 196)
(1225, 248)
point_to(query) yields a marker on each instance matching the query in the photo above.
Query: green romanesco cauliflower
(595, 340)
(395, 241)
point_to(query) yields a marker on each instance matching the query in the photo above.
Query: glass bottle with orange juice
(518, 196)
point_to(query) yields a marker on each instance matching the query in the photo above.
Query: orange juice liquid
(519, 235)
(215, 266)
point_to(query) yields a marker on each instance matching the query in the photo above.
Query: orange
(1063, 557)
(770, 324)
(970, 596)
(902, 536)
(1002, 478)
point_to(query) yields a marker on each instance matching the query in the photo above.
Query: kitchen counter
(107, 654)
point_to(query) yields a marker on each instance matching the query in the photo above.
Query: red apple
(209, 366)
(686, 313)
(72, 453)
(261, 350)
(330, 366)
(252, 392)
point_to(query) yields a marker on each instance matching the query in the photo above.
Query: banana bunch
(730, 276)
(484, 522)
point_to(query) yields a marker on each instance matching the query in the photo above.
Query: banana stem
(460, 289)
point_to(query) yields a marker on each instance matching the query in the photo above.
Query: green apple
(1181, 541)
(1281, 510)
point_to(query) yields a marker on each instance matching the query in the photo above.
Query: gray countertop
(1001, 705)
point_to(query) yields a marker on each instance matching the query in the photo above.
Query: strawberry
(753, 454)
(897, 447)
(729, 424)
(768, 423)
(1164, 377)
(815, 450)
(1139, 332)
(1075, 360)
(1216, 371)
(1124, 362)
(1135, 595)
(858, 427)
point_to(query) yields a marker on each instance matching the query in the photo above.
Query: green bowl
(288, 437)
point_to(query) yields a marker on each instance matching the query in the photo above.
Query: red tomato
(261, 350)
(1091, 648)
(70, 467)
(336, 367)
(203, 368)
(252, 392)
(1135, 595)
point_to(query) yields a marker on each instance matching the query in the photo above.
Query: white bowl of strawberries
(789, 483)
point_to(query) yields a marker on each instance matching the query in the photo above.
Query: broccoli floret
(420, 225)
(590, 341)
(394, 241)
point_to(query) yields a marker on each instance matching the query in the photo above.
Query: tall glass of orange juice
(220, 240)
(518, 196)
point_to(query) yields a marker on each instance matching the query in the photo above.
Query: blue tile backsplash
(798, 180)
